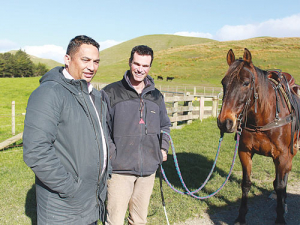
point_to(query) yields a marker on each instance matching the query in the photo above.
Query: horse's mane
(262, 89)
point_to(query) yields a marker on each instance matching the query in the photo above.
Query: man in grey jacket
(138, 114)
(65, 141)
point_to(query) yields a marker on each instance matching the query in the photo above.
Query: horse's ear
(230, 57)
(247, 56)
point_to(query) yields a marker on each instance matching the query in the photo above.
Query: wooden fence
(183, 109)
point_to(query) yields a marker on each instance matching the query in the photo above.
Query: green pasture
(18, 90)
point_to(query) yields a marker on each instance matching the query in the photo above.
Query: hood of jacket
(56, 75)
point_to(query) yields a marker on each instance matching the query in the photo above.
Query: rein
(192, 193)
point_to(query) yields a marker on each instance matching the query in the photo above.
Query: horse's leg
(246, 161)
(283, 167)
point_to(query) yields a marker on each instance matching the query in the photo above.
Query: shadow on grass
(30, 205)
(262, 210)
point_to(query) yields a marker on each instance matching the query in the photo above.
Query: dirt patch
(262, 211)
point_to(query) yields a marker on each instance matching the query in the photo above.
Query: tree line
(20, 65)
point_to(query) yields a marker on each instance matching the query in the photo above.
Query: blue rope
(191, 193)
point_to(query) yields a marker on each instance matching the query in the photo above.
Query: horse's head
(238, 91)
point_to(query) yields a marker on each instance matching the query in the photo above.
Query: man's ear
(67, 59)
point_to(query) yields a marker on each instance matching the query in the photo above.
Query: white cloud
(285, 27)
(47, 52)
(57, 52)
(194, 34)
(108, 44)
(7, 45)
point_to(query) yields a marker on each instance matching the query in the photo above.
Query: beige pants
(128, 191)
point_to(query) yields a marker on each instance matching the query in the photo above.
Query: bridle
(243, 113)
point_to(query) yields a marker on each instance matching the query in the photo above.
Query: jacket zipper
(141, 132)
(97, 140)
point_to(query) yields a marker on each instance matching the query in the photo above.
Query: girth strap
(281, 122)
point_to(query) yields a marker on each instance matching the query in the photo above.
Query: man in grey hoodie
(65, 139)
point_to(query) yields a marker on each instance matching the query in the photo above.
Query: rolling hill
(48, 62)
(196, 61)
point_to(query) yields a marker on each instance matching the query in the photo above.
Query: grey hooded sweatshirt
(63, 146)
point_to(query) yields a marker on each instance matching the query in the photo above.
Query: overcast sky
(44, 28)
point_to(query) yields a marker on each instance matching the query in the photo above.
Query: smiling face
(139, 68)
(84, 63)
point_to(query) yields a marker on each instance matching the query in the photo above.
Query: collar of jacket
(149, 83)
(56, 75)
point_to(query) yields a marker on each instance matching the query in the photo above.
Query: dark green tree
(2, 62)
(8, 65)
(39, 70)
(23, 65)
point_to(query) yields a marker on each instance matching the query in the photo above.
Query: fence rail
(184, 109)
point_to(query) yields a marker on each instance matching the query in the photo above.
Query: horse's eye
(246, 83)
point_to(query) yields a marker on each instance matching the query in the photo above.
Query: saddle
(285, 82)
(290, 80)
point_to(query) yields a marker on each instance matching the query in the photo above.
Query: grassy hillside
(121, 52)
(48, 62)
(196, 61)
(202, 63)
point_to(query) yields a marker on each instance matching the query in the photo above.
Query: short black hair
(141, 50)
(77, 41)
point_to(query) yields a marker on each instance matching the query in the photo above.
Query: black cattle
(160, 78)
(170, 78)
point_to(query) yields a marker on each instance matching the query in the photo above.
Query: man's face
(84, 63)
(139, 67)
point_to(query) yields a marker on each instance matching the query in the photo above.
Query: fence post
(195, 91)
(13, 118)
(201, 111)
(175, 114)
(214, 107)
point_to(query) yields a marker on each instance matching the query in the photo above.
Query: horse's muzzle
(226, 126)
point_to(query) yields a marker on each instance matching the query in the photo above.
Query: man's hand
(164, 154)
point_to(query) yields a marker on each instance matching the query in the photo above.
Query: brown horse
(262, 107)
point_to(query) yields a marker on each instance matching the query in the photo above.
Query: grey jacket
(63, 146)
(136, 123)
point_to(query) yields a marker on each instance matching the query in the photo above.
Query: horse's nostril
(229, 124)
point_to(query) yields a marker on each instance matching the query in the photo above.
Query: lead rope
(160, 183)
(191, 193)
